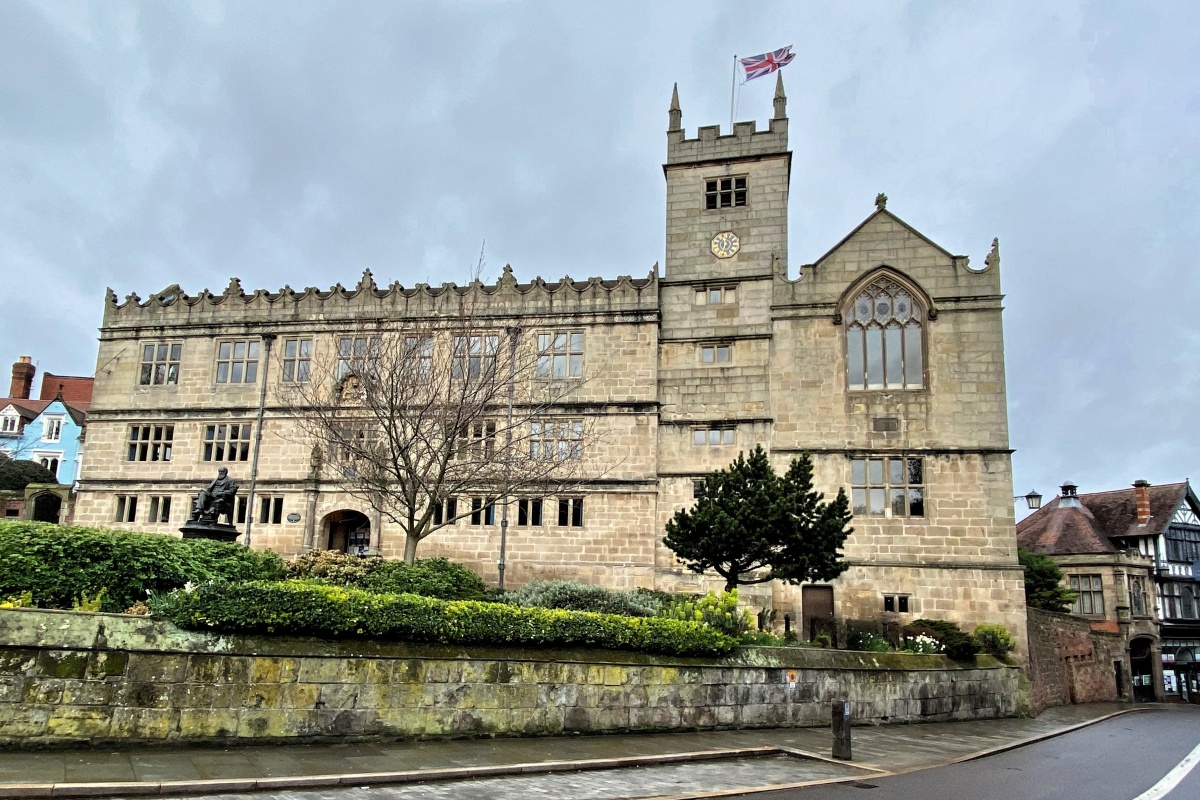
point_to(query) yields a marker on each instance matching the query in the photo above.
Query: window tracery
(885, 338)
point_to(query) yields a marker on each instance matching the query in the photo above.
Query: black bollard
(841, 729)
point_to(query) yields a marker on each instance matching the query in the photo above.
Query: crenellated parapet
(745, 141)
(369, 301)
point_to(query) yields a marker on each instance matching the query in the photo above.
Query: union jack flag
(757, 66)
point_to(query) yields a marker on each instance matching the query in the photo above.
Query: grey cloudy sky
(144, 144)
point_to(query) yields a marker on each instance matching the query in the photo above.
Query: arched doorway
(1141, 667)
(348, 531)
(46, 507)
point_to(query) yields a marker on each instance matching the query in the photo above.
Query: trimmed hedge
(308, 609)
(576, 596)
(428, 577)
(57, 564)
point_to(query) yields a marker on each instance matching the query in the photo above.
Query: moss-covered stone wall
(74, 679)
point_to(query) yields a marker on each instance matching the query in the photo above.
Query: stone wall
(69, 679)
(1069, 662)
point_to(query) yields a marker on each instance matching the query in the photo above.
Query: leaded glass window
(884, 348)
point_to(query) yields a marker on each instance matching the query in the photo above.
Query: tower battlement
(744, 141)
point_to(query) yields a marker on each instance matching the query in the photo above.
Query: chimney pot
(22, 378)
(1141, 496)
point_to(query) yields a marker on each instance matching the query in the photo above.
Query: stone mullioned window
(732, 192)
(893, 486)
(227, 442)
(560, 355)
(160, 363)
(150, 442)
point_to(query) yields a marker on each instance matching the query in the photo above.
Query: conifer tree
(1044, 587)
(750, 525)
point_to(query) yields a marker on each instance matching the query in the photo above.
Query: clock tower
(727, 198)
(726, 255)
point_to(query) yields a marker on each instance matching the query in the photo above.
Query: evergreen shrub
(719, 612)
(957, 644)
(576, 596)
(309, 609)
(61, 566)
(428, 577)
(994, 640)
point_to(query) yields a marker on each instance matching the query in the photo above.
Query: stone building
(1132, 557)
(883, 358)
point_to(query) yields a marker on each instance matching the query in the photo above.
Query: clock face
(725, 244)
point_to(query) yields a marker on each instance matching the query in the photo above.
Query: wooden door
(816, 611)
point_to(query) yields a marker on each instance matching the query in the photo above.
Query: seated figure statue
(215, 501)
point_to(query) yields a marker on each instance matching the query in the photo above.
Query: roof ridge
(1131, 488)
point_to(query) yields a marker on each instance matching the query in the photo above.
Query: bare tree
(431, 420)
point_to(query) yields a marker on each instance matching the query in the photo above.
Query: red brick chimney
(1141, 495)
(22, 378)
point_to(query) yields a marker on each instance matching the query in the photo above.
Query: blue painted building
(49, 430)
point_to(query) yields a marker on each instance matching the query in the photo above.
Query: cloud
(144, 144)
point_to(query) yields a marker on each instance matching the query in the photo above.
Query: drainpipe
(513, 333)
(267, 339)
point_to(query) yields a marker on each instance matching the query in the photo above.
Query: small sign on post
(841, 729)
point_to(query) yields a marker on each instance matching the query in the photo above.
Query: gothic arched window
(884, 348)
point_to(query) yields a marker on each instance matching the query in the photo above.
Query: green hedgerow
(428, 577)
(576, 596)
(58, 564)
(308, 609)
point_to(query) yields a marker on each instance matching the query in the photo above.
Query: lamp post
(1033, 499)
(268, 339)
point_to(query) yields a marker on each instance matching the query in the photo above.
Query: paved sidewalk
(891, 748)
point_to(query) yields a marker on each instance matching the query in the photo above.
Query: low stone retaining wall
(73, 679)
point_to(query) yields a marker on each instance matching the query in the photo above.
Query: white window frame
(10, 423)
(52, 424)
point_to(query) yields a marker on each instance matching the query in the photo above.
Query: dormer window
(10, 424)
(725, 193)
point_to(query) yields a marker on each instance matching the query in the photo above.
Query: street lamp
(1033, 499)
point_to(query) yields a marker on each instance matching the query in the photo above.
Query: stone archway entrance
(347, 531)
(47, 507)
(1141, 667)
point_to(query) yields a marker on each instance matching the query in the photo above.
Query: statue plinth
(210, 506)
(221, 532)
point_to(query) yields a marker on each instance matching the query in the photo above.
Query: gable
(1188, 510)
(888, 231)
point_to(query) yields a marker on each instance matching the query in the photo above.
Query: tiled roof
(1101, 517)
(75, 390)
(29, 409)
(1062, 530)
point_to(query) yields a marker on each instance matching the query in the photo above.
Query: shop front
(1181, 672)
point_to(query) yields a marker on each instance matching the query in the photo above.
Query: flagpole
(732, 86)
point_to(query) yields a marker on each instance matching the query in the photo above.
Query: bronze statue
(215, 501)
